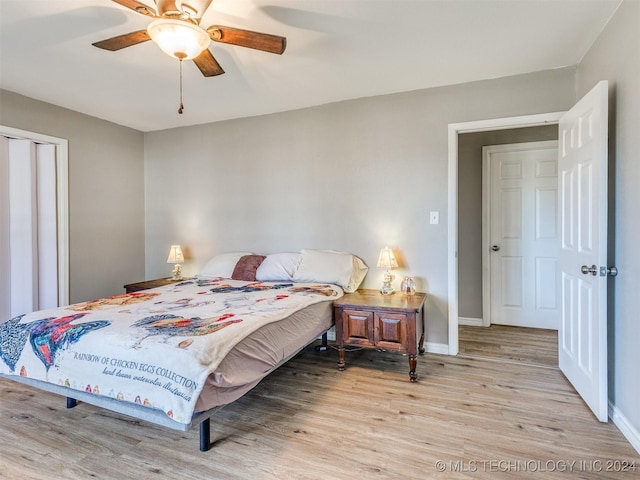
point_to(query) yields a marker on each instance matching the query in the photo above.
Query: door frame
(455, 129)
(62, 193)
(487, 217)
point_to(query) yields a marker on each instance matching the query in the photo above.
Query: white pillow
(360, 270)
(222, 265)
(327, 266)
(278, 267)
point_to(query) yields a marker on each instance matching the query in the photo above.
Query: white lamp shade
(179, 38)
(387, 259)
(175, 254)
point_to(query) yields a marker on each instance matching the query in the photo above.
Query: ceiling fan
(176, 30)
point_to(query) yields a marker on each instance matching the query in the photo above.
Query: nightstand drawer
(357, 327)
(390, 331)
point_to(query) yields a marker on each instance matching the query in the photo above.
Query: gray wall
(106, 198)
(354, 176)
(615, 56)
(470, 207)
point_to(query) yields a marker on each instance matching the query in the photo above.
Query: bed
(174, 355)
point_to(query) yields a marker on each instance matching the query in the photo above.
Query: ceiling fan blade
(122, 41)
(207, 64)
(137, 7)
(249, 39)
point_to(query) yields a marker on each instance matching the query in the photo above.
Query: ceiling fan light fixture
(179, 38)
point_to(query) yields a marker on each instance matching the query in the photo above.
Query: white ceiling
(336, 50)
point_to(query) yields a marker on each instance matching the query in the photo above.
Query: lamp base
(387, 289)
(177, 272)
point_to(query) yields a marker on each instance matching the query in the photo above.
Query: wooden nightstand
(387, 322)
(147, 284)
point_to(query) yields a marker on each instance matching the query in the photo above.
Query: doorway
(471, 270)
(509, 148)
(494, 125)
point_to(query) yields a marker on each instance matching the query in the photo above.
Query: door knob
(593, 270)
(495, 248)
(611, 271)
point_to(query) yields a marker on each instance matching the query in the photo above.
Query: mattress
(263, 351)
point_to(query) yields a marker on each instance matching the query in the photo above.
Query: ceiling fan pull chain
(181, 106)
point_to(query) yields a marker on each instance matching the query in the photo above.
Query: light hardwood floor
(535, 346)
(309, 421)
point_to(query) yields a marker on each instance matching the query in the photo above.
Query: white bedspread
(155, 347)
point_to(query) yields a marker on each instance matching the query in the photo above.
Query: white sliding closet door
(5, 259)
(47, 226)
(29, 232)
(23, 226)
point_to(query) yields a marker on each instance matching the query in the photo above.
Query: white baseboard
(628, 430)
(440, 348)
(471, 322)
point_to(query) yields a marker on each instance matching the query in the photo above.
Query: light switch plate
(434, 218)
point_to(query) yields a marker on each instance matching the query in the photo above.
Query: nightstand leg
(421, 342)
(413, 363)
(341, 358)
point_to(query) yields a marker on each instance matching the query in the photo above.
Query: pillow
(222, 265)
(328, 266)
(278, 267)
(246, 267)
(360, 270)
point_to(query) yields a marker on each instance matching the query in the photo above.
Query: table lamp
(176, 257)
(387, 260)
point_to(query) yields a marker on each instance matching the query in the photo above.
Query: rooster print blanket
(155, 347)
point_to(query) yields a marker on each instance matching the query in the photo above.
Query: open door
(582, 179)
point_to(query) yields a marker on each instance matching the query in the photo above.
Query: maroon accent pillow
(246, 267)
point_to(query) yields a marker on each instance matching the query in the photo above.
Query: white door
(582, 179)
(521, 239)
(29, 231)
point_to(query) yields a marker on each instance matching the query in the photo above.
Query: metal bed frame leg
(71, 402)
(205, 435)
(325, 346)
